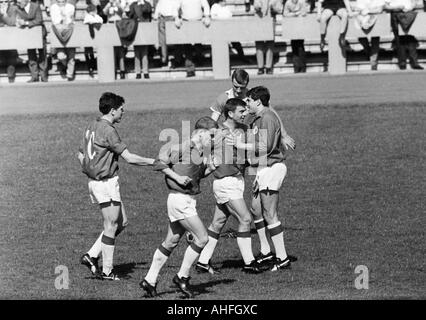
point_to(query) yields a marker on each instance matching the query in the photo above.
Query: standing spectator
(62, 14)
(264, 49)
(166, 10)
(191, 10)
(8, 12)
(297, 8)
(402, 14)
(141, 10)
(114, 12)
(29, 15)
(93, 19)
(219, 11)
(366, 18)
(329, 8)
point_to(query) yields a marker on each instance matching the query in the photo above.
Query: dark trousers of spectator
(371, 49)
(37, 64)
(90, 60)
(406, 47)
(141, 59)
(10, 59)
(237, 46)
(299, 55)
(120, 55)
(162, 37)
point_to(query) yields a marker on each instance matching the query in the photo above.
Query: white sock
(277, 237)
(261, 231)
(107, 246)
(191, 255)
(208, 250)
(158, 260)
(96, 249)
(244, 243)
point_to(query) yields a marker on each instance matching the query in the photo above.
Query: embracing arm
(286, 140)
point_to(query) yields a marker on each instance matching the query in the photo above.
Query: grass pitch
(354, 195)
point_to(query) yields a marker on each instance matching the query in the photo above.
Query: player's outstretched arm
(135, 159)
(286, 140)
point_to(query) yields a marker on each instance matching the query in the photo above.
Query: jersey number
(90, 136)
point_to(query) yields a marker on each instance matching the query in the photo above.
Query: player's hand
(183, 180)
(288, 142)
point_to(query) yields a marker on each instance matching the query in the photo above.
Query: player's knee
(245, 220)
(110, 227)
(201, 240)
(217, 225)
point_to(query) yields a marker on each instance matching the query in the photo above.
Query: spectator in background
(100, 5)
(8, 12)
(114, 12)
(29, 15)
(165, 10)
(297, 8)
(366, 18)
(264, 49)
(402, 14)
(93, 19)
(141, 10)
(191, 10)
(62, 14)
(219, 11)
(329, 8)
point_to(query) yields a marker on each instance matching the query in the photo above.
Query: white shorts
(228, 188)
(104, 190)
(181, 206)
(271, 178)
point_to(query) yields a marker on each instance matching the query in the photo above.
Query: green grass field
(354, 195)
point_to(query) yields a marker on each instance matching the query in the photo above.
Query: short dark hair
(109, 101)
(261, 93)
(91, 7)
(206, 123)
(241, 76)
(231, 105)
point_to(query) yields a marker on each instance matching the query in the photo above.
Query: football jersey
(267, 135)
(101, 147)
(229, 160)
(185, 160)
(220, 102)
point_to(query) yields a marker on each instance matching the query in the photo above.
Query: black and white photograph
(212, 155)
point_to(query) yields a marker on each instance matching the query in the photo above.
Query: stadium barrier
(219, 34)
(105, 39)
(29, 38)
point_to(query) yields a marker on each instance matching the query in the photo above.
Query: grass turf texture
(354, 195)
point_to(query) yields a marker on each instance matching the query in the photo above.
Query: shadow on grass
(232, 264)
(125, 269)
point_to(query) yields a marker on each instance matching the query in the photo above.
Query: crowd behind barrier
(59, 19)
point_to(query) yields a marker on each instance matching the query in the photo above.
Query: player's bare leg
(260, 224)
(110, 212)
(195, 226)
(220, 217)
(174, 234)
(269, 202)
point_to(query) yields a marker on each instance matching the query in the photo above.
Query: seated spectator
(29, 15)
(367, 15)
(62, 15)
(114, 12)
(328, 8)
(100, 5)
(166, 10)
(219, 11)
(297, 8)
(141, 10)
(264, 49)
(93, 19)
(191, 10)
(402, 14)
(8, 12)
